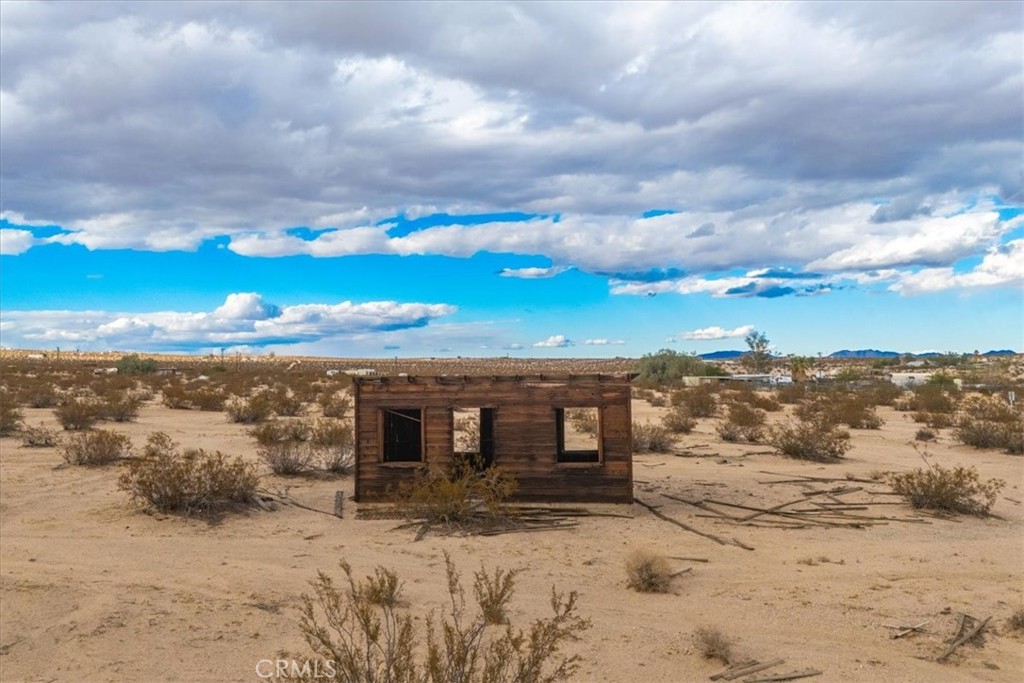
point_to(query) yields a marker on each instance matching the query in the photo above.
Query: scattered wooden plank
(680, 572)
(751, 669)
(661, 515)
(973, 633)
(911, 629)
(791, 676)
(689, 559)
(734, 667)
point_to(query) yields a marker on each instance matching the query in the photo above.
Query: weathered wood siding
(525, 435)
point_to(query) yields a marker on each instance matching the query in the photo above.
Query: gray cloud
(792, 130)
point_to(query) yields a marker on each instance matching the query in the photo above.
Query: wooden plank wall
(524, 432)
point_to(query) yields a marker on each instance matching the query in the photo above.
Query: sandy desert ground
(95, 590)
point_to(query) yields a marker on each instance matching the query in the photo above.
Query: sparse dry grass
(648, 572)
(713, 644)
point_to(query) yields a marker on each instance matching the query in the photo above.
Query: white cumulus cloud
(243, 319)
(555, 341)
(715, 332)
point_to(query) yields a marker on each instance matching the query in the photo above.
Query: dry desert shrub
(288, 458)
(809, 439)
(41, 397)
(583, 420)
(648, 572)
(334, 404)
(883, 393)
(209, 399)
(334, 441)
(98, 447)
(839, 407)
(39, 437)
(175, 396)
(651, 438)
(249, 410)
(277, 431)
(956, 490)
(10, 415)
(925, 434)
(356, 636)
(700, 401)
(493, 593)
(933, 420)
(713, 644)
(756, 399)
(78, 414)
(1016, 620)
(284, 402)
(465, 499)
(188, 482)
(791, 393)
(120, 406)
(743, 423)
(989, 422)
(678, 420)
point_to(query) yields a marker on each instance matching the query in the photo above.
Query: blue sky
(531, 179)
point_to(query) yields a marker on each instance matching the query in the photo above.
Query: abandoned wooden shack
(564, 438)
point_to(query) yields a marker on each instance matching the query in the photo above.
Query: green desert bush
(647, 571)
(957, 490)
(78, 414)
(809, 439)
(668, 367)
(652, 438)
(464, 499)
(193, 481)
(356, 637)
(39, 437)
(134, 365)
(678, 420)
(99, 447)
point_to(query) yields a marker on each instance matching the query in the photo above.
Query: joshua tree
(758, 358)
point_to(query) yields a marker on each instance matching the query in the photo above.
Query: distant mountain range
(848, 353)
